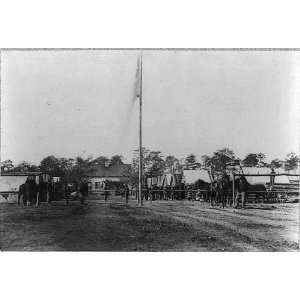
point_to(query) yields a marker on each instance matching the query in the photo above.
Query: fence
(253, 196)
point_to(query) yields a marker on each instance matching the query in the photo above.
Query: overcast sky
(70, 103)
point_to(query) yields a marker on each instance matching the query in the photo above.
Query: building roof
(25, 173)
(118, 170)
(283, 178)
(191, 176)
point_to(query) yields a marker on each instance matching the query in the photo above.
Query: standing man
(146, 192)
(106, 191)
(83, 189)
(126, 193)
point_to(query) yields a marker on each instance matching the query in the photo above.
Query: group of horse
(221, 191)
(33, 191)
(218, 193)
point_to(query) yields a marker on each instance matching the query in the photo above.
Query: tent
(169, 180)
(162, 181)
(191, 176)
(253, 180)
(283, 179)
(11, 183)
(149, 181)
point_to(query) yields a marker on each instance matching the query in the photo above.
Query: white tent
(191, 176)
(169, 179)
(283, 179)
(149, 181)
(283, 171)
(11, 183)
(257, 171)
(160, 181)
(287, 178)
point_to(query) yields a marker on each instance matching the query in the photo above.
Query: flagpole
(140, 198)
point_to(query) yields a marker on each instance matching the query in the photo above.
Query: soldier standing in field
(106, 192)
(126, 193)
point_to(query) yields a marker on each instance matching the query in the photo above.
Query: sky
(70, 103)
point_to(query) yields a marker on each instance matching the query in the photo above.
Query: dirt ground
(157, 226)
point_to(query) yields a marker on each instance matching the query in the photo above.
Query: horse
(202, 188)
(219, 191)
(33, 192)
(224, 190)
(213, 193)
(28, 192)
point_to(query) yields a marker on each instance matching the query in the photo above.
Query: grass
(160, 226)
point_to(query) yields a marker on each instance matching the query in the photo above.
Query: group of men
(155, 192)
(219, 192)
(77, 190)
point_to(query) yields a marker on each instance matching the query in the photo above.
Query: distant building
(35, 175)
(176, 176)
(118, 173)
(286, 177)
(10, 182)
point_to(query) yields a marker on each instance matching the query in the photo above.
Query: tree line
(155, 163)
(71, 169)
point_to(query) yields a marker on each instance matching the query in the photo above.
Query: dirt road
(160, 226)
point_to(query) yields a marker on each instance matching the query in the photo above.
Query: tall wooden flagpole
(140, 196)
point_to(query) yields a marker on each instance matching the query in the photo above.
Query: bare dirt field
(157, 226)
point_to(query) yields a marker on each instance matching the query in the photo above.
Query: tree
(65, 168)
(154, 164)
(134, 178)
(80, 168)
(100, 161)
(254, 160)
(261, 157)
(25, 166)
(291, 161)
(116, 160)
(136, 159)
(7, 166)
(205, 161)
(190, 162)
(275, 163)
(251, 160)
(221, 159)
(50, 165)
(171, 162)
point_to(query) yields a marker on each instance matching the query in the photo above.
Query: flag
(137, 83)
